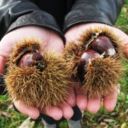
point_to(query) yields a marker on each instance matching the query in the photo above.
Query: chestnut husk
(43, 81)
(102, 74)
(84, 61)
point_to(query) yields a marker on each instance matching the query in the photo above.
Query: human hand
(82, 99)
(51, 42)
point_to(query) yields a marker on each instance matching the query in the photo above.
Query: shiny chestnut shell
(32, 59)
(84, 60)
(103, 44)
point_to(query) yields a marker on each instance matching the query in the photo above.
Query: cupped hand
(82, 99)
(50, 41)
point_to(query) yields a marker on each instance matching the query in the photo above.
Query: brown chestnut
(103, 44)
(32, 59)
(84, 60)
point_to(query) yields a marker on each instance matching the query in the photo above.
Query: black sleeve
(97, 11)
(19, 13)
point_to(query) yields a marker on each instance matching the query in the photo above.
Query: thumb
(2, 64)
(124, 39)
(125, 49)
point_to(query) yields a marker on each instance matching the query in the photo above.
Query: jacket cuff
(37, 18)
(96, 11)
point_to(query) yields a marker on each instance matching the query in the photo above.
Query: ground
(116, 119)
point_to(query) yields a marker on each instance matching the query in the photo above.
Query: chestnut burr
(38, 79)
(95, 61)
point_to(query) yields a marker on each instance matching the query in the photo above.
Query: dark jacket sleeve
(19, 13)
(98, 11)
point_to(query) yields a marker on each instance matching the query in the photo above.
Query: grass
(9, 118)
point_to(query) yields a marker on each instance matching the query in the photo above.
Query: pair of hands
(52, 42)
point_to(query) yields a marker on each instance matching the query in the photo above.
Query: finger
(93, 104)
(27, 110)
(71, 99)
(124, 39)
(123, 36)
(125, 50)
(54, 112)
(81, 101)
(81, 98)
(67, 110)
(2, 64)
(110, 100)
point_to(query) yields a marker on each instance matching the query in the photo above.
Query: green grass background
(116, 119)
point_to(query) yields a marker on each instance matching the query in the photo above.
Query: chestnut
(103, 44)
(84, 60)
(32, 59)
